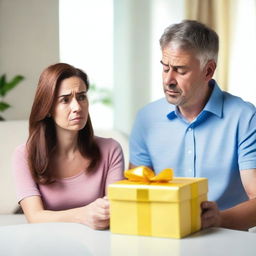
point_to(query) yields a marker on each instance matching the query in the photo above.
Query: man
(199, 130)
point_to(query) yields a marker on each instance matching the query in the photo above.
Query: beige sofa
(13, 133)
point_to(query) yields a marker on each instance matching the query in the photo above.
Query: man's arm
(131, 166)
(241, 216)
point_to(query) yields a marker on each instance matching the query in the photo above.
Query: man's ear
(209, 69)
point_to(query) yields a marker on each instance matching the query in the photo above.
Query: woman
(62, 172)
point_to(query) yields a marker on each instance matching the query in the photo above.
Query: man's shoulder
(158, 107)
(237, 103)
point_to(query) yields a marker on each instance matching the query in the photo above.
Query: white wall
(131, 60)
(138, 25)
(243, 52)
(29, 41)
(86, 41)
(164, 13)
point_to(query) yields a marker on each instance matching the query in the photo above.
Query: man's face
(183, 79)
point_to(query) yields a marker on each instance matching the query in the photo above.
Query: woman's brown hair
(42, 135)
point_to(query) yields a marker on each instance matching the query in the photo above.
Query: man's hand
(210, 216)
(97, 214)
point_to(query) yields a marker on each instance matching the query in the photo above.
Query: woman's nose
(75, 106)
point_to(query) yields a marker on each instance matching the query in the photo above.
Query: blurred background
(116, 42)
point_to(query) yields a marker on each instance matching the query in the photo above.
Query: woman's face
(70, 111)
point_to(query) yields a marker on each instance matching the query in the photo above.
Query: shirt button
(189, 151)
(189, 129)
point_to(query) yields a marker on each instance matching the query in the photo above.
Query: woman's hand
(97, 214)
(210, 216)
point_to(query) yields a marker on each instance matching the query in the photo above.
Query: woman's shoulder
(20, 153)
(107, 143)
(21, 149)
(110, 149)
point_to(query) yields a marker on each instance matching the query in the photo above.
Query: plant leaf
(100, 95)
(2, 83)
(10, 85)
(4, 106)
(92, 88)
(107, 101)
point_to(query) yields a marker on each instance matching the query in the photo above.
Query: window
(86, 41)
(243, 53)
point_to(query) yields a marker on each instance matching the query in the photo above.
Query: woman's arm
(94, 215)
(116, 166)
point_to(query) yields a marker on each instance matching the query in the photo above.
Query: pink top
(75, 191)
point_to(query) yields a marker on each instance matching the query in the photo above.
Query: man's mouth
(172, 92)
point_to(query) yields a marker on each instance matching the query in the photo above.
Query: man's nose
(169, 78)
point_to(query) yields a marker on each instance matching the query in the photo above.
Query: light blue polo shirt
(216, 145)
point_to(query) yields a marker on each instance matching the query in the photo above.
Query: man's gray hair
(195, 36)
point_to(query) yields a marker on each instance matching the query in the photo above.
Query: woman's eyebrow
(64, 95)
(82, 92)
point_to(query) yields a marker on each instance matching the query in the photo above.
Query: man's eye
(181, 72)
(166, 70)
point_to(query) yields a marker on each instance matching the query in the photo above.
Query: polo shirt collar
(214, 104)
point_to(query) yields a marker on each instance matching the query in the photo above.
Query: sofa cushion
(12, 133)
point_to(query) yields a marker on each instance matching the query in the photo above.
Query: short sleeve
(24, 183)
(139, 154)
(247, 142)
(116, 166)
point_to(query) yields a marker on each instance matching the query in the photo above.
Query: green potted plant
(100, 95)
(6, 87)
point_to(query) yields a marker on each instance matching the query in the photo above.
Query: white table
(76, 239)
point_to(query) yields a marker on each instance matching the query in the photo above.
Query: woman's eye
(81, 97)
(64, 100)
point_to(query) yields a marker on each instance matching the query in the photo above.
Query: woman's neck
(66, 143)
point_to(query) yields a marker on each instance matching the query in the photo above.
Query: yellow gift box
(156, 206)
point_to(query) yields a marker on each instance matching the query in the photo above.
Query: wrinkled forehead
(174, 54)
(71, 85)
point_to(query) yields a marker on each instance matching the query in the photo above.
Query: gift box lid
(176, 190)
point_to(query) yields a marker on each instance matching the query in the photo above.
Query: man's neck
(192, 111)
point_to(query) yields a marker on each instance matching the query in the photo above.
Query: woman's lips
(76, 118)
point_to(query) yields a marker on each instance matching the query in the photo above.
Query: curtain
(217, 15)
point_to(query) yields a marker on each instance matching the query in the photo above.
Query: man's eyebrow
(178, 66)
(164, 63)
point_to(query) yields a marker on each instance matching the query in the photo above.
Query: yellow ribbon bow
(145, 174)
